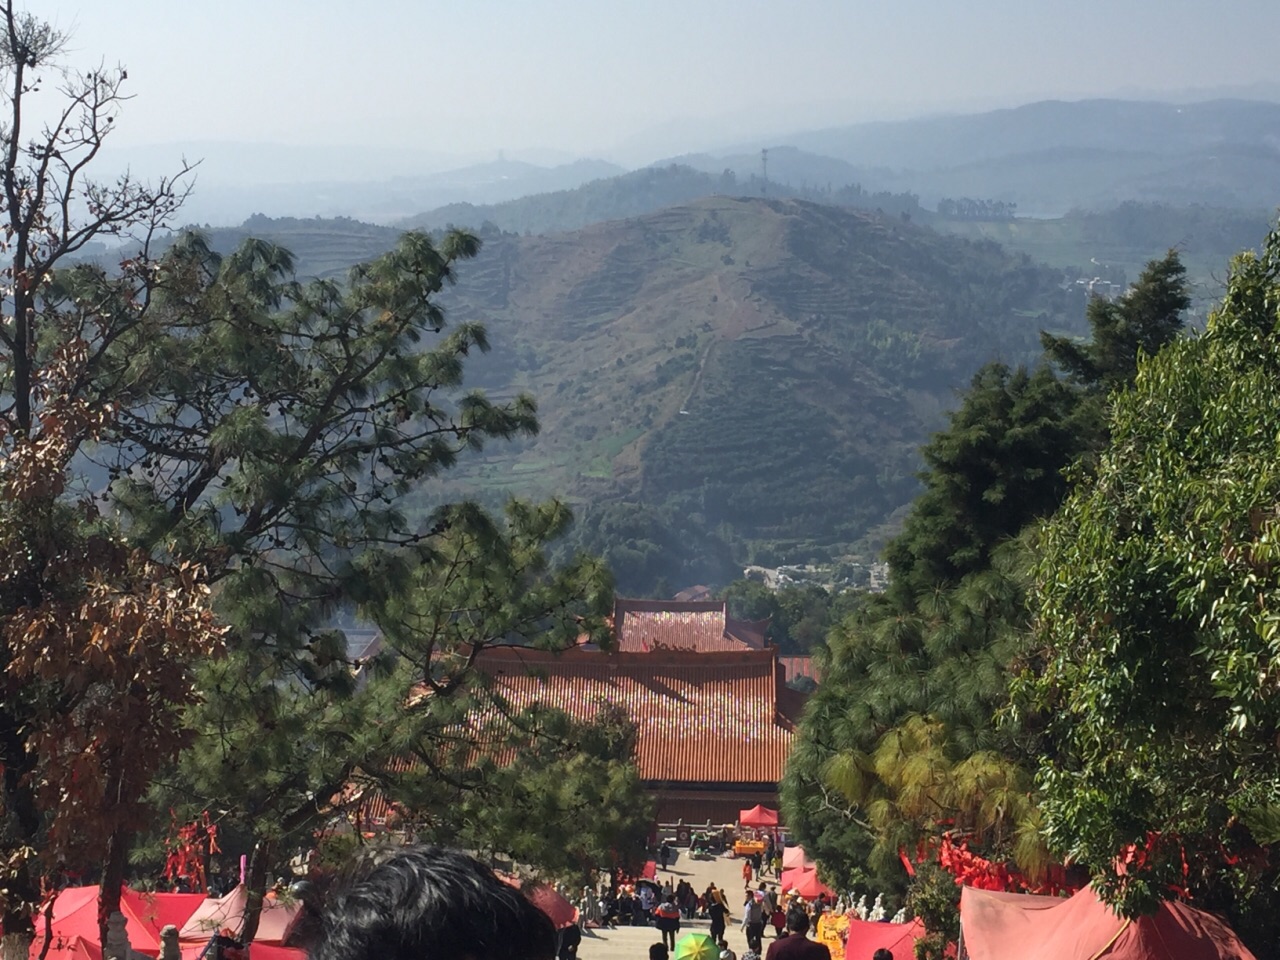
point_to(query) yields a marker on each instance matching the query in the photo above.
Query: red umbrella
(547, 899)
(553, 903)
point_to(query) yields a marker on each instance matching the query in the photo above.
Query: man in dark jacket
(796, 946)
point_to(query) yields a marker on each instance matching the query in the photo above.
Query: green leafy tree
(901, 742)
(1157, 636)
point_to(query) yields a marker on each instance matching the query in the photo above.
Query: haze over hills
(727, 379)
(762, 369)
(1048, 157)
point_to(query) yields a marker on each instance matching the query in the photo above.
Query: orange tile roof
(701, 717)
(642, 626)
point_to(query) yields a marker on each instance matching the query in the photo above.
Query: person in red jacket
(795, 946)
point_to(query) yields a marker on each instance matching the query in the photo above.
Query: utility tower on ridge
(764, 172)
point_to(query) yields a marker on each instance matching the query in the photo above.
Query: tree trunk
(256, 882)
(112, 884)
(16, 945)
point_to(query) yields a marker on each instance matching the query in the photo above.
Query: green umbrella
(696, 946)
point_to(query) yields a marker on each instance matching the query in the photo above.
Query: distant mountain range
(1051, 156)
(1046, 157)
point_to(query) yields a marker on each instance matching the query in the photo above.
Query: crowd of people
(439, 903)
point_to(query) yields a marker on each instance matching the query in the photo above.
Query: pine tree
(263, 435)
(1137, 324)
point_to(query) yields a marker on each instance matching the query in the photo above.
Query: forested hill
(646, 191)
(738, 379)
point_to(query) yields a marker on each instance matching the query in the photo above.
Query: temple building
(708, 695)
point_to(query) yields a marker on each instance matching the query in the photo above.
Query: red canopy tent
(758, 816)
(62, 948)
(75, 914)
(796, 875)
(865, 938)
(996, 925)
(75, 919)
(811, 886)
(804, 881)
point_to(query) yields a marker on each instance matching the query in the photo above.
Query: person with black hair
(666, 917)
(658, 951)
(882, 954)
(431, 902)
(796, 946)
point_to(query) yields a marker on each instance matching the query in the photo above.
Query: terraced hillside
(760, 370)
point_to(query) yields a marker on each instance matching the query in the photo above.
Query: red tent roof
(75, 915)
(997, 925)
(805, 882)
(66, 948)
(794, 875)
(758, 816)
(866, 937)
(794, 857)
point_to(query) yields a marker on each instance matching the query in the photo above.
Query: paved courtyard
(632, 943)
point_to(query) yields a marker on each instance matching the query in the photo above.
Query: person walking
(753, 921)
(769, 901)
(717, 912)
(746, 872)
(666, 916)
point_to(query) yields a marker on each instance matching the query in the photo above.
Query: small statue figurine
(877, 909)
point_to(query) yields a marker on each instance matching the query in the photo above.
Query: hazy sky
(597, 76)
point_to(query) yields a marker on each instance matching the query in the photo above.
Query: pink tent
(793, 857)
(758, 816)
(796, 875)
(865, 938)
(214, 914)
(998, 925)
